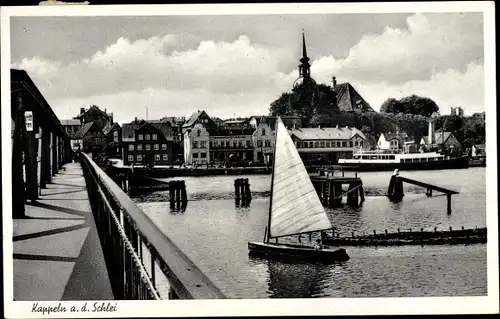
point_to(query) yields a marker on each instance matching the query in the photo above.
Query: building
(113, 133)
(96, 115)
(289, 121)
(439, 140)
(71, 127)
(326, 145)
(348, 99)
(458, 111)
(263, 140)
(147, 143)
(196, 138)
(91, 138)
(392, 141)
(478, 150)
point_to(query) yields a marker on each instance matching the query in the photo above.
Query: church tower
(304, 78)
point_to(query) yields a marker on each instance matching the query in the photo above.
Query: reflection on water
(214, 233)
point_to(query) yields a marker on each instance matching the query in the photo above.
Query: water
(214, 233)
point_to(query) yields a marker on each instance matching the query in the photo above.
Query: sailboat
(295, 208)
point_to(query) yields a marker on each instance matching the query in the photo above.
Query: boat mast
(278, 119)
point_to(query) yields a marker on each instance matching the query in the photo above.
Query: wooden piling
(448, 203)
(237, 183)
(177, 192)
(183, 191)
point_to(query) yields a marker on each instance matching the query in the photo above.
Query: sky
(234, 66)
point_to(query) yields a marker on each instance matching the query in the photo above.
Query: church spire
(304, 67)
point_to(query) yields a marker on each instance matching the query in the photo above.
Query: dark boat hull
(274, 250)
(452, 163)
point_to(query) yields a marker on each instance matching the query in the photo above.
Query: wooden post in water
(331, 194)
(237, 183)
(248, 193)
(361, 194)
(171, 191)
(448, 203)
(183, 192)
(177, 192)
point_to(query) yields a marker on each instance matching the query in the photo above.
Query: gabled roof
(271, 120)
(128, 129)
(326, 133)
(348, 98)
(192, 119)
(109, 127)
(83, 130)
(439, 137)
(402, 136)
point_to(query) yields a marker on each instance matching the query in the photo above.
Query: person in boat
(318, 245)
(395, 191)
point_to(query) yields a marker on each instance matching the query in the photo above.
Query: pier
(410, 237)
(77, 235)
(329, 185)
(429, 188)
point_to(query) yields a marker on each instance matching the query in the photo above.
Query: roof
(480, 146)
(109, 127)
(326, 133)
(70, 122)
(348, 97)
(83, 130)
(192, 119)
(402, 136)
(271, 120)
(128, 129)
(439, 137)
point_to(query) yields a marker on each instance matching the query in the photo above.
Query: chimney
(337, 126)
(431, 133)
(136, 119)
(82, 110)
(334, 82)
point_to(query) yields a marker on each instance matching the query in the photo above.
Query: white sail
(295, 206)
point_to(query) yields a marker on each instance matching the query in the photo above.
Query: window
(203, 144)
(139, 158)
(195, 144)
(240, 143)
(248, 143)
(263, 131)
(140, 137)
(268, 143)
(165, 157)
(234, 144)
(322, 144)
(155, 137)
(350, 144)
(131, 147)
(360, 143)
(195, 155)
(115, 136)
(163, 147)
(344, 144)
(131, 158)
(316, 144)
(139, 147)
(203, 155)
(148, 147)
(198, 133)
(146, 137)
(156, 147)
(157, 157)
(227, 143)
(259, 143)
(356, 143)
(338, 143)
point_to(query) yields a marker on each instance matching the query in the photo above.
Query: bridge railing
(142, 262)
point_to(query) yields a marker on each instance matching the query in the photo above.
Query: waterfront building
(263, 141)
(96, 115)
(327, 145)
(71, 127)
(458, 111)
(440, 139)
(147, 143)
(91, 138)
(197, 144)
(394, 142)
(113, 133)
(478, 150)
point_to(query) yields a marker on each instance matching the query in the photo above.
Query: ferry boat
(379, 161)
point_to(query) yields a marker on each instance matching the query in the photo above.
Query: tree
(316, 106)
(413, 104)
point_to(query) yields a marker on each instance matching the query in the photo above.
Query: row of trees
(409, 114)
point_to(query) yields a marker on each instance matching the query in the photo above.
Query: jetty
(429, 188)
(330, 183)
(410, 237)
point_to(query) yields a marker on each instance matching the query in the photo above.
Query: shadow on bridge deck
(57, 252)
